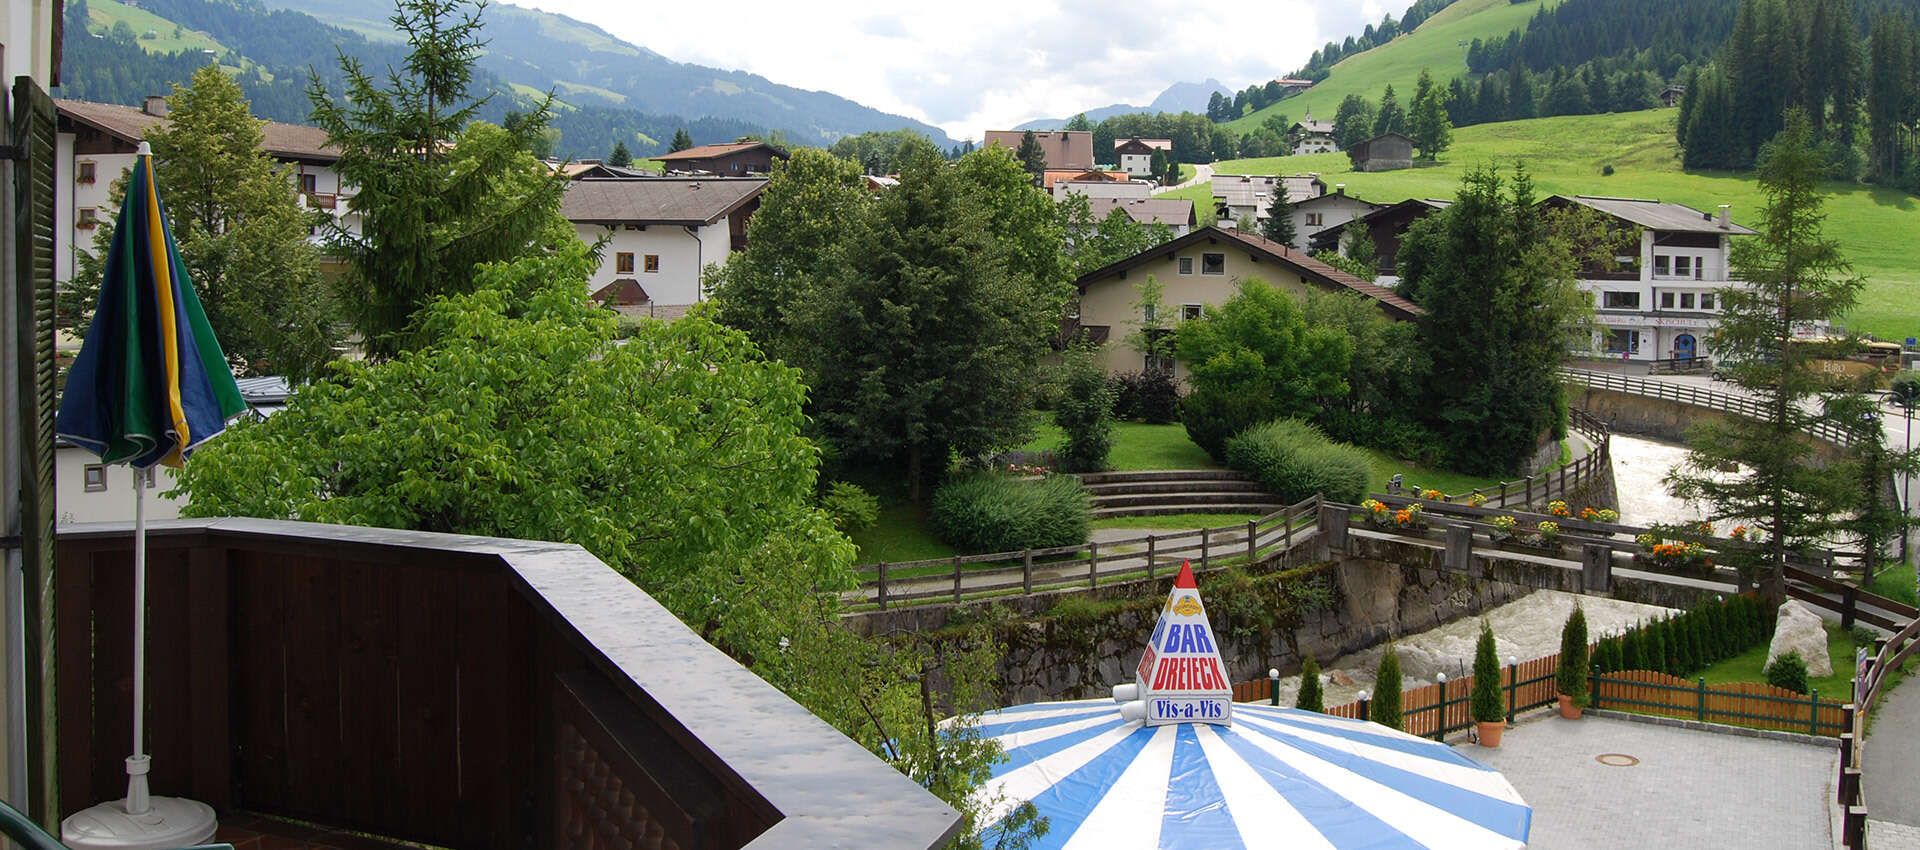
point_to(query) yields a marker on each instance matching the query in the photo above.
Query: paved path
(1690, 789)
(1892, 761)
(1201, 174)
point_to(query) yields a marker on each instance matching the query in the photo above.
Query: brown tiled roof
(658, 200)
(130, 124)
(1167, 211)
(1391, 302)
(711, 151)
(1064, 148)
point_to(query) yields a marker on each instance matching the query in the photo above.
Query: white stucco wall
(1334, 210)
(682, 254)
(73, 503)
(1102, 189)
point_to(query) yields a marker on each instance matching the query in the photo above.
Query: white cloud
(989, 64)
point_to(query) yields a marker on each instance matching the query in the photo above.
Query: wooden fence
(1724, 402)
(1556, 482)
(1739, 703)
(1434, 710)
(1869, 681)
(1089, 564)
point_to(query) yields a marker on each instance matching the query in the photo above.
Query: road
(1201, 174)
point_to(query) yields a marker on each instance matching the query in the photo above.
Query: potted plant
(1489, 715)
(1503, 527)
(1558, 508)
(1477, 500)
(1570, 679)
(1378, 514)
(1547, 533)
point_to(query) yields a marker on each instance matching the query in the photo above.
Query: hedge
(1294, 461)
(990, 512)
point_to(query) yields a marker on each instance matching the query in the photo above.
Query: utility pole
(1906, 394)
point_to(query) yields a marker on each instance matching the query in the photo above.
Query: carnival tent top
(1137, 775)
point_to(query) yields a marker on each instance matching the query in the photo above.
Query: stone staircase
(1172, 492)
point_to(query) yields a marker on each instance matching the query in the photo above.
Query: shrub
(1256, 358)
(1487, 704)
(1386, 691)
(1310, 697)
(1788, 671)
(1571, 677)
(851, 506)
(1084, 412)
(1151, 396)
(1293, 460)
(1214, 418)
(1633, 650)
(989, 512)
(1606, 170)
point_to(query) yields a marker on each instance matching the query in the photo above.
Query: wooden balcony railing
(456, 691)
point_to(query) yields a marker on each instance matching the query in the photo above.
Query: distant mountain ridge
(1179, 97)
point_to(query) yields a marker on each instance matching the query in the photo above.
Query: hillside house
(1662, 301)
(1332, 209)
(1103, 187)
(1238, 195)
(95, 145)
(1310, 136)
(1386, 226)
(1290, 86)
(1177, 215)
(735, 159)
(1064, 149)
(662, 233)
(1671, 95)
(1385, 152)
(1199, 271)
(1136, 154)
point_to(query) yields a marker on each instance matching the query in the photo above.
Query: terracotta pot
(1568, 708)
(1490, 733)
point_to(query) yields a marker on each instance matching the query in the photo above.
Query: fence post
(881, 591)
(1813, 717)
(1593, 687)
(1596, 567)
(1253, 536)
(1700, 699)
(1563, 482)
(1203, 549)
(1150, 542)
(956, 578)
(1529, 500)
(1848, 598)
(1459, 552)
(1286, 535)
(1333, 527)
(1026, 571)
(1513, 686)
(1093, 564)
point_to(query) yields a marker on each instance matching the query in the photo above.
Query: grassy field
(1750, 667)
(1437, 45)
(104, 13)
(1567, 154)
(1136, 446)
(1895, 583)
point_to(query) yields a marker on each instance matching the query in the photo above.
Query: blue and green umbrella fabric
(151, 383)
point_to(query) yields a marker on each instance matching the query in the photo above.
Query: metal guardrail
(1724, 402)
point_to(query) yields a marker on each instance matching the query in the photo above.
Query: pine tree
(1386, 691)
(1687, 101)
(1310, 697)
(1353, 123)
(1486, 703)
(1522, 99)
(620, 157)
(1391, 117)
(1031, 156)
(681, 141)
(1279, 224)
(1571, 677)
(1890, 92)
(1432, 130)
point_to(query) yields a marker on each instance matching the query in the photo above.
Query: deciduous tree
(1255, 359)
(1432, 129)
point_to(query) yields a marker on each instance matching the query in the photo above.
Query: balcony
(322, 200)
(447, 690)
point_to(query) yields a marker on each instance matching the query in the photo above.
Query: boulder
(1801, 630)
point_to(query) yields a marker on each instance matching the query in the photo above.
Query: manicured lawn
(1385, 466)
(1137, 446)
(1749, 667)
(902, 534)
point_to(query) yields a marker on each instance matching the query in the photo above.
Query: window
(87, 217)
(96, 477)
(1683, 266)
(1686, 300)
(653, 263)
(623, 262)
(1666, 300)
(310, 183)
(1622, 341)
(1148, 312)
(1313, 219)
(1186, 265)
(1662, 264)
(1612, 300)
(1706, 300)
(1213, 264)
(1189, 312)
(83, 171)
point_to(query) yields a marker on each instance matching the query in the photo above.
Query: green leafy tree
(1353, 123)
(1570, 677)
(1310, 697)
(1152, 334)
(1391, 117)
(1357, 244)
(1159, 166)
(1486, 702)
(620, 157)
(1079, 123)
(435, 200)
(1255, 359)
(1432, 129)
(241, 231)
(1763, 470)
(681, 141)
(1279, 224)
(1032, 157)
(1084, 411)
(1385, 709)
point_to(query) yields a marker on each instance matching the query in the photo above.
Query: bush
(850, 505)
(1571, 676)
(1788, 671)
(1214, 418)
(1310, 697)
(1386, 691)
(1293, 460)
(1151, 397)
(1084, 411)
(989, 512)
(1487, 704)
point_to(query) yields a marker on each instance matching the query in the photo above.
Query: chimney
(1339, 188)
(1726, 216)
(155, 105)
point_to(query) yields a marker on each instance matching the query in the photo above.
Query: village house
(1242, 195)
(1385, 226)
(661, 232)
(1063, 149)
(1199, 272)
(1385, 152)
(1310, 136)
(1054, 176)
(1318, 213)
(734, 159)
(95, 145)
(1662, 301)
(1103, 187)
(1290, 86)
(1671, 95)
(1177, 215)
(1136, 154)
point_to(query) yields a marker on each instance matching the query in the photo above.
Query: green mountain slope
(1438, 44)
(1567, 155)
(103, 14)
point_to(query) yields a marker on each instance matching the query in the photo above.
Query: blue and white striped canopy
(1278, 777)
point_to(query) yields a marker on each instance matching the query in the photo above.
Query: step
(1163, 475)
(1184, 498)
(1176, 510)
(1196, 485)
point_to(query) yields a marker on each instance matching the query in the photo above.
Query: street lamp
(1906, 395)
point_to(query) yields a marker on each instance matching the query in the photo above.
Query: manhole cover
(1616, 759)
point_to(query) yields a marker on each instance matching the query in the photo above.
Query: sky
(985, 64)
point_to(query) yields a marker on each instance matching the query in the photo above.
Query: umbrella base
(170, 822)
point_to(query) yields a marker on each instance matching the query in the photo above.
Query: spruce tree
(1633, 649)
(1310, 697)
(681, 141)
(1570, 678)
(1391, 117)
(1432, 129)
(1031, 156)
(1279, 224)
(620, 157)
(1386, 691)
(1487, 704)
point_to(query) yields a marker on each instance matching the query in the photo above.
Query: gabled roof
(1064, 148)
(1151, 144)
(1330, 197)
(1330, 237)
(1313, 127)
(1655, 215)
(713, 151)
(130, 124)
(1265, 250)
(1241, 190)
(1167, 211)
(1081, 175)
(658, 200)
(623, 292)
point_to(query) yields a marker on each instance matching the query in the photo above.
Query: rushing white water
(1640, 468)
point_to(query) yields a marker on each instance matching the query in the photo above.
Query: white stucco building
(1321, 212)
(661, 233)
(1249, 195)
(1121, 189)
(1136, 154)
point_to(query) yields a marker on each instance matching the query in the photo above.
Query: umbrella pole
(138, 763)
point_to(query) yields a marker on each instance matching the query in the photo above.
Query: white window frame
(1314, 219)
(1662, 265)
(1607, 294)
(95, 477)
(1190, 312)
(1666, 300)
